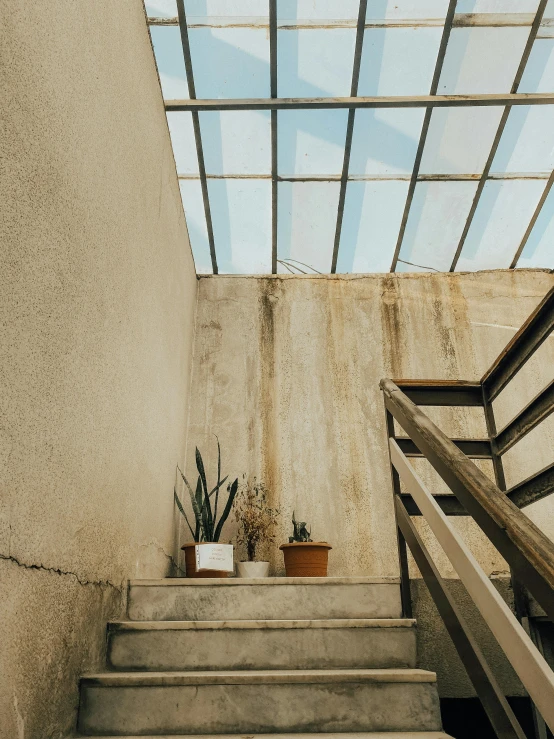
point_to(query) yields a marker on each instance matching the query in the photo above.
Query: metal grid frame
(352, 103)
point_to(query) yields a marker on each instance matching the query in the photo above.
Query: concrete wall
(97, 301)
(286, 373)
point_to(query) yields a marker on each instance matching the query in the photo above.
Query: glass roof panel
(539, 249)
(527, 144)
(496, 6)
(482, 60)
(161, 8)
(459, 140)
(191, 195)
(385, 141)
(315, 62)
(241, 217)
(311, 141)
(238, 142)
(166, 41)
(504, 211)
(372, 215)
(307, 220)
(315, 46)
(407, 9)
(182, 140)
(398, 61)
(437, 218)
(230, 62)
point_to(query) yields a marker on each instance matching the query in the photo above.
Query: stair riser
(249, 602)
(215, 709)
(264, 648)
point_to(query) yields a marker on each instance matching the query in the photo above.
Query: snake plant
(204, 504)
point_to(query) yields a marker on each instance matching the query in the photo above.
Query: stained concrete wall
(97, 301)
(286, 373)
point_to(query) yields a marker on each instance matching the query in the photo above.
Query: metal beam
(196, 126)
(472, 448)
(526, 420)
(536, 487)
(399, 101)
(424, 130)
(376, 177)
(461, 20)
(349, 129)
(501, 126)
(531, 225)
(442, 392)
(523, 345)
(273, 93)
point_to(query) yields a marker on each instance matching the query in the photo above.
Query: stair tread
(247, 677)
(333, 623)
(203, 582)
(341, 735)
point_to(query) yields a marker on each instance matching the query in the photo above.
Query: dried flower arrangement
(256, 519)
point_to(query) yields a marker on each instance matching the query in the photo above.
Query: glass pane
(307, 221)
(230, 62)
(385, 141)
(482, 60)
(311, 142)
(527, 144)
(191, 194)
(218, 10)
(182, 140)
(496, 6)
(539, 249)
(398, 61)
(459, 140)
(372, 215)
(437, 218)
(407, 9)
(241, 218)
(322, 10)
(315, 62)
(539, 71)
(166, 41)
(503, 214)
(161, 8)
(236, 142)
(549, 11)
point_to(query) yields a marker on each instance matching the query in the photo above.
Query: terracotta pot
(306, 559)
(190, 564)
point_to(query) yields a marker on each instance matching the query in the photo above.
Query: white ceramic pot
(252, 569)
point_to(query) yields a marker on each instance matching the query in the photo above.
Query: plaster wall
(97, 303)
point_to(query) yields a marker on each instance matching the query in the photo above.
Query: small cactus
(299, 531)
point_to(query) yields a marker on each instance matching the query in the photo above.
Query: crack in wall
(162, 550)
(57, 571)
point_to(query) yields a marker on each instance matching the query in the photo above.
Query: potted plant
(256, 526)
(304, 557)
(205, 504)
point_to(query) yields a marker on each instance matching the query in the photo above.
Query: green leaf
(207, 505)
(232, 493)
(180, 507)
(195, 508)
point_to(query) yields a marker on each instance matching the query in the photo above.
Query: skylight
(295, 175)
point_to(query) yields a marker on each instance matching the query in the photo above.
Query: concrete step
(274, 701)
(344, 735)
(259, 645)
(235, 599)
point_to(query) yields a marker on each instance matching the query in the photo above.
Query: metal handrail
(528, 551)
(529, 664)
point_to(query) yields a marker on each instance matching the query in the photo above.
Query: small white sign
(211, 556)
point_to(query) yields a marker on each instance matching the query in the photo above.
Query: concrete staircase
(303, 656)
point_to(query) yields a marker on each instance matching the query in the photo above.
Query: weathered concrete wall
(97, 300)
(286, 373)
(287, 370)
